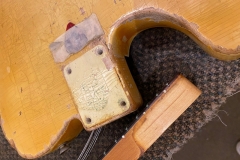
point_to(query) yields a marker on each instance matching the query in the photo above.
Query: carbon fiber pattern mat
(156, 56)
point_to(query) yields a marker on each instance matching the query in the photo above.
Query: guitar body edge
(71, 128)
(128, 26)
(35, 101)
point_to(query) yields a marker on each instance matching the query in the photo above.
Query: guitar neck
(164, 110)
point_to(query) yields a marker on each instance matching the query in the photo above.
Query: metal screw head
(99, 51)
(69, 70)
(88, 120)
(123, 103)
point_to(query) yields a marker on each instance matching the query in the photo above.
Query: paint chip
(124, 39)
(82, 11)
(69, 106)
(108, 63)
(8, 69)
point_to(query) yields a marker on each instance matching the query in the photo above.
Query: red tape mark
(70, 25)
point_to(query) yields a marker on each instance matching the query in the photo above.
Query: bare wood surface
(161, 114)
(36, 105)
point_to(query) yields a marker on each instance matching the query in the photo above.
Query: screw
(88, 120)
(123, 103)
(99, 51)
(69, 70)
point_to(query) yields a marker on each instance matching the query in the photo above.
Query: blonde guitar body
(37, 110)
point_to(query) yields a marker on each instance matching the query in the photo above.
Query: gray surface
(216, 141)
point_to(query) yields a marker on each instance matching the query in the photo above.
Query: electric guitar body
(37, 109)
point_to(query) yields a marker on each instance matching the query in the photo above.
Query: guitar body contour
(36, 106)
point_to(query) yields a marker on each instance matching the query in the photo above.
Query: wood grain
(35, 101)
(161, 114)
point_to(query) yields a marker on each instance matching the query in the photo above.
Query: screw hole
(69, 70)
(99, 51)
(88, 120)
(123, 103)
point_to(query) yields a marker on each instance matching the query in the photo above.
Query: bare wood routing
(161, 114)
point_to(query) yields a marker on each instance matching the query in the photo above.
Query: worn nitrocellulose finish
(156, 56)
(36, 106)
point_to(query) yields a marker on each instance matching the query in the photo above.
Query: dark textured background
(156, 56)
